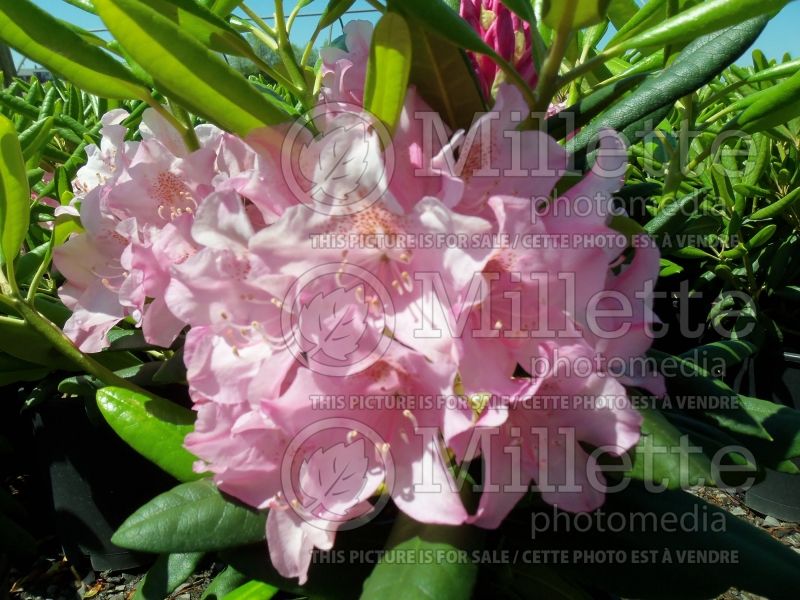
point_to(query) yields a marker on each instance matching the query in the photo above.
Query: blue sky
(780, 36)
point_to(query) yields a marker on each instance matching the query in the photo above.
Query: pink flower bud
(506, 34)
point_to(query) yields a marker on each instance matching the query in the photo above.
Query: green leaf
(768, 108)
(673, 216)
(706, 17)
(439, 18)
(777, 208)
(658, 457)
(185, 69)
(225, 582)
(698, 64)
(225, 7)
(443, 77)
(254, 590)
(576, 116)
(388, 69)
(523, 8)
(19, 340)
(152, 426)
(214, 32)
(192, 517)
(393, 580)
(587, 12)
(41, 37)
(36, 136)
(782, 422)
(168, 572)
(720, 355)
(15, 196)
(691, 380)
(333, 11)
(620, 12)
(684, 548)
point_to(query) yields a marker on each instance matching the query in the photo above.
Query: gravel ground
(56, 580)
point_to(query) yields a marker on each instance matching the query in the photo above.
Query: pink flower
(506, 34)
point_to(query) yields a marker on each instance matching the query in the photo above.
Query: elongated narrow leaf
(168, 572)
(442, 20)
(388, 69)
(254, 590)
(15, 196)
(777, 208)
(769, 108)
(204, 25)
(620, 12)
(586, 12)
(154, 427)
(698, 64)
(224, 583)
(192, 517)
(225, 7)
(706, 17)
(523, 8)
(658, 459)
(443, 77)
(41, 37)
(685, 539)
(185, 69)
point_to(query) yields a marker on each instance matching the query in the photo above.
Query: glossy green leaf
(782, 422)
(15, 196)
(152, 426)
(168, 572)
(388, 69)
(777, 208)
(621, 12)
(769, 108)
(698, 64)
(658, 457)
(18, 339)
(253, 590)
(706, 17)
(225, 582)
(188, 71)
(41, 37)
(576, 116)
(673, 216)
(523, 8)
(439, 18)
(225, 7)
(393, 580)
(192, 517)
(720, 355)
(673, 553)
(206, 26)
(586, 12)
(36, 136)
(444, 78)
(780, 71)
(333, 11)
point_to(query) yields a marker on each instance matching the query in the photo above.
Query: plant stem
(41, 270)
(187, 133)
(547, 86)
(65, 346)
(285, 49)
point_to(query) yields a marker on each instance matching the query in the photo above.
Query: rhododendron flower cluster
(307, 270)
